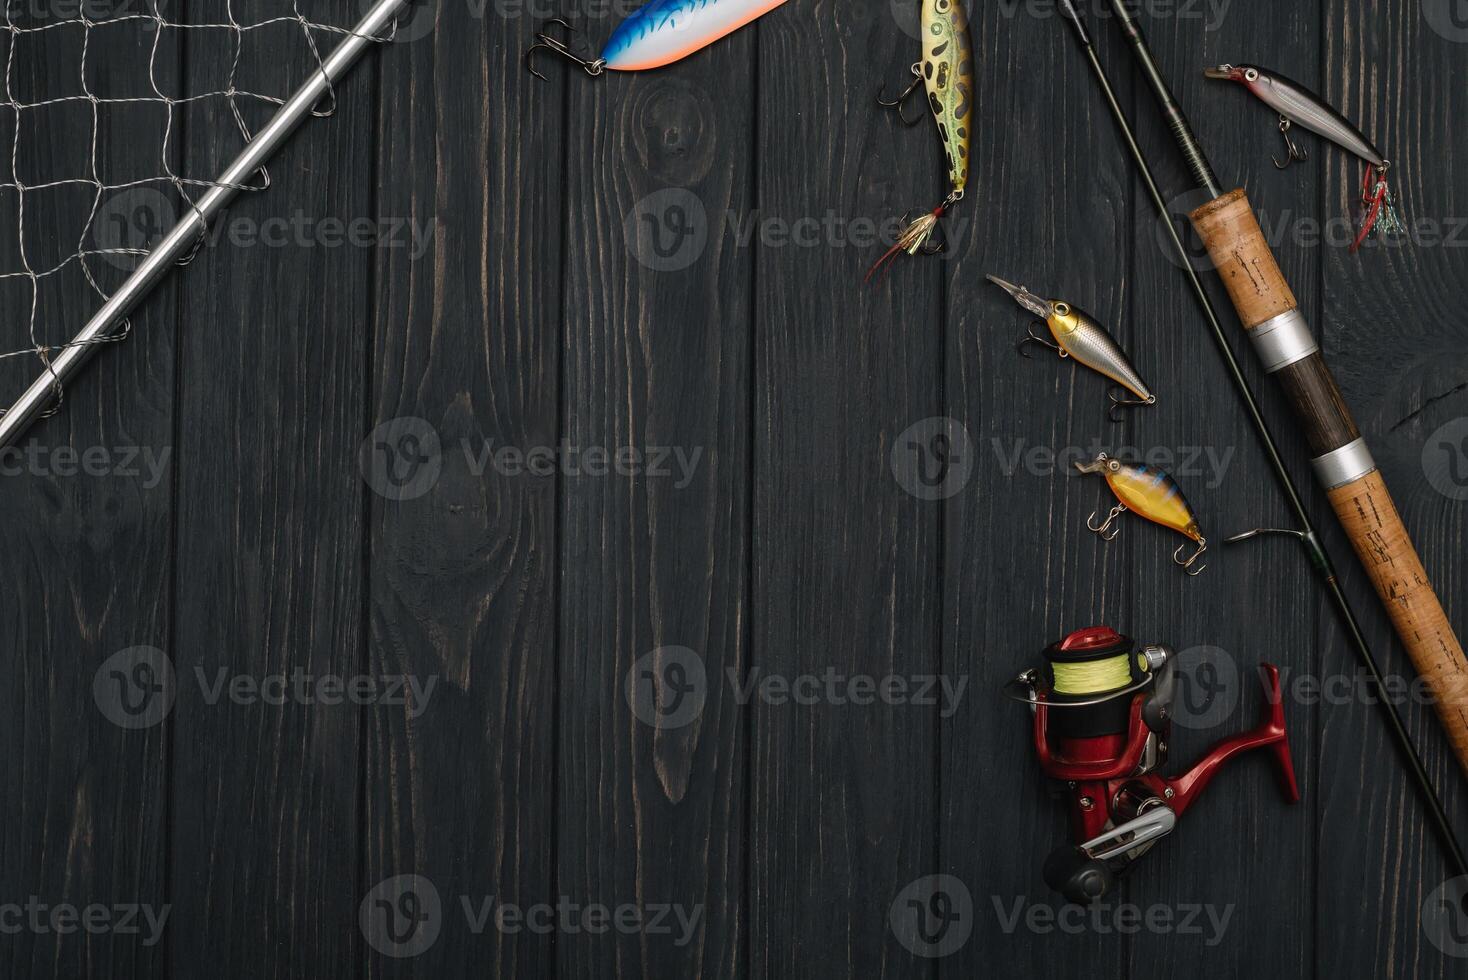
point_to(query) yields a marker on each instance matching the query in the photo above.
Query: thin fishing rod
(1172, 113)
(1342, 460)
(1319, 558)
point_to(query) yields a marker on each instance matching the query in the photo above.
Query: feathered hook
(917, 237)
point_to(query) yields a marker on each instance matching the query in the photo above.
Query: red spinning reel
(1102, 718)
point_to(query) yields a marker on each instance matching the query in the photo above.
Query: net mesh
(103, 108)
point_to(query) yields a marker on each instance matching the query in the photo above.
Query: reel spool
(1102, 716)
(1091, 672)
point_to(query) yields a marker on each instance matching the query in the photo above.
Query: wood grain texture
(1319, 408)
(842, 804)
(1398, 354)
(559, 303)
(466, 338)
(88, 558)
(654, 561)
(269, 575)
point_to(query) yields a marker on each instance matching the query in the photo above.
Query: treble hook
(1116, 512)
(549, 42)
(897, 103)
(1121, 403)
(1293, 150)
(1192, 559)
(937, 241)
(1030, 338)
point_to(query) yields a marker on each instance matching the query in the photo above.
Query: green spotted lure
(946, 72)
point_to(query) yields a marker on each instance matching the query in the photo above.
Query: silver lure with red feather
(1296, 104)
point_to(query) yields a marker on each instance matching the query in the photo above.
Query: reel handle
(1086, 873)
(1270, 734)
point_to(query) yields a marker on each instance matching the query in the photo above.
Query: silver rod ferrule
(1345, 465)
(1283, 340)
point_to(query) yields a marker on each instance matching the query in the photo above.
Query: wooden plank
(846, 561)
(1020, 568)
(264, 815)
(87, 550)
(1400, 359)
(463, 565)
(1241, 853)
(651, 778)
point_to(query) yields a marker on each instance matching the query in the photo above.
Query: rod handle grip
(1235, 242)
(1371, 520)
(1242, 256)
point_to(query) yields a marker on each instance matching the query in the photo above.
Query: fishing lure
(947, 74)
(657, 34)
(1152, 494)
(1297, 104)
(1080, 337)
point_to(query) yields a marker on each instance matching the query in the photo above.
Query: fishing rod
(1320, 559)
(1343, 463)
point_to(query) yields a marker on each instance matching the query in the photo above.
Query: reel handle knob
(1079, 877)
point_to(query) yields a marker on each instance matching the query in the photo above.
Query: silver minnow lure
(1296, 104)
(1079, 336)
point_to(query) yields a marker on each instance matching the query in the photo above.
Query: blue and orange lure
(657, 34)
(1150, 493)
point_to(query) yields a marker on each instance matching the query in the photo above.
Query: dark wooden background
(531, 321)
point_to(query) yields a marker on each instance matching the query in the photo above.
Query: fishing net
(116, 116)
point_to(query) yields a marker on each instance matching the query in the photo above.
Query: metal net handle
(60, 363)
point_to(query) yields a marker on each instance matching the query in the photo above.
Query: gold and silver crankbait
(1079, 337)
(1150, 493)
(946, 72)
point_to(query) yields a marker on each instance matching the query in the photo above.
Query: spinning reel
(1102, 719)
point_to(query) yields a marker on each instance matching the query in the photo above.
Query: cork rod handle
(1269, 312)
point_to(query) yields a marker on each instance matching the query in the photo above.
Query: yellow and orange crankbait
(1150, 493)
(946, 72)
